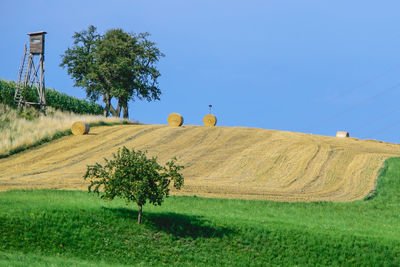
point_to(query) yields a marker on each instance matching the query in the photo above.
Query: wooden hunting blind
(36, 42)
(31, 72)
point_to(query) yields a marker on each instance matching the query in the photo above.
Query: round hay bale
(175, 119)
(80, 128)
(209, 120)
(342, 134)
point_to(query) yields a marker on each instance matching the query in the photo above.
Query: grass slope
(75, 228)
(230, 162)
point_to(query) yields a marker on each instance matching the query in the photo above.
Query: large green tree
(116, 65)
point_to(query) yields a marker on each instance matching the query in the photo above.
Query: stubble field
(228, 162)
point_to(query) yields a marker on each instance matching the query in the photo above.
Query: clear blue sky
(304, 66)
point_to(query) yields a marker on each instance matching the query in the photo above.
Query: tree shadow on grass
(178, 225)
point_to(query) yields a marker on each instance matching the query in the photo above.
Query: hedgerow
(54, 99)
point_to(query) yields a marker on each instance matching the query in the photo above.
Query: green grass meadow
(74, 228)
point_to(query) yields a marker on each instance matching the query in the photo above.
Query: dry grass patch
(25, 128)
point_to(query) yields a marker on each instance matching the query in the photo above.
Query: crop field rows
(230, 162)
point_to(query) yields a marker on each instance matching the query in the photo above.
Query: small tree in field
(134, 177)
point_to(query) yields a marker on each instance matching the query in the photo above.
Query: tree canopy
(116, 65)
(131, 175)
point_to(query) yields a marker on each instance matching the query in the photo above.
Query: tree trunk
(115, 112)
(125, 112)
(139, 219)
(106, 105)
(119, 107)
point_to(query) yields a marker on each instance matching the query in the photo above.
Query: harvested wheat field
(229, 162)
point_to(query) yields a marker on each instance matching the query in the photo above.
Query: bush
(65, 102)
(7, 90)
